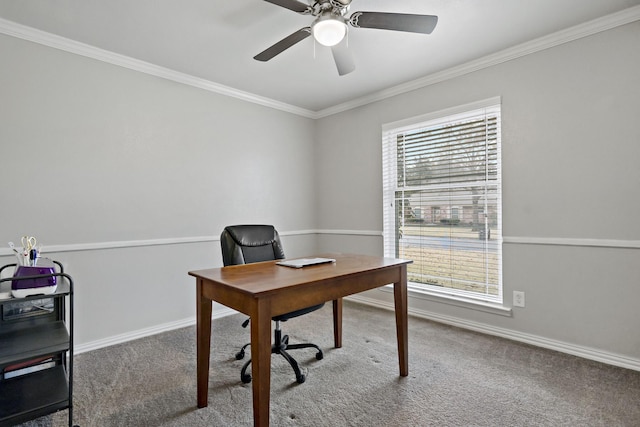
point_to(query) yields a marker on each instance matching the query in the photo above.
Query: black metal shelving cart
(36, 352)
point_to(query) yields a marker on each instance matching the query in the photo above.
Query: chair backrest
(244, 244)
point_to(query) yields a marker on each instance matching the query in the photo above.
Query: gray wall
(131, 178)
(96, 155)
(571, 146)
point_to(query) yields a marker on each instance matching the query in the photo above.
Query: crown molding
(24, 32)
(595, 26)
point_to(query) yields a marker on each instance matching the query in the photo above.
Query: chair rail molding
(569, 241)
(522, 240)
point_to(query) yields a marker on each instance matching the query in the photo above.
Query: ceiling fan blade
(343, 58)
(394, 21)
(294, 5)
(283, 44)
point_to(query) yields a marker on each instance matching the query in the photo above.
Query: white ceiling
(216, 40)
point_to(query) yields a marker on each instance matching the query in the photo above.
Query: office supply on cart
(30, 252)
(30, 284)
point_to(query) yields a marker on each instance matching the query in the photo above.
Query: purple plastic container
(24, 288)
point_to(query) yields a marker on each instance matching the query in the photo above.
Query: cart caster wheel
(301, 379)
(245, 378)
(319, 355)
(240, 355)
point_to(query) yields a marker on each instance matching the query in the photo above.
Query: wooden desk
(263, 290)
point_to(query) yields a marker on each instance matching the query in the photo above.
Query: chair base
(280, 347)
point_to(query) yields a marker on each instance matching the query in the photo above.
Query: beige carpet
(456, 378)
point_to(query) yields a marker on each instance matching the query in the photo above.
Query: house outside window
(455, 213)
(442, 200)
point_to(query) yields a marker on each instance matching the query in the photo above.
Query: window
(442, 200)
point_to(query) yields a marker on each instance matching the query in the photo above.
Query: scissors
(28, 243)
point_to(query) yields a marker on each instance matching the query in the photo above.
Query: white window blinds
(442, 204)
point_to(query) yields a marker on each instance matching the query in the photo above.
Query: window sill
(457, 301)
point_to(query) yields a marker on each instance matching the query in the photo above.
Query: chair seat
(301, 312)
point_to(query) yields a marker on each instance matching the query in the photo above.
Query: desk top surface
(264, 277)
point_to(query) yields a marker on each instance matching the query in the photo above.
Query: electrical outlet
(518, 299)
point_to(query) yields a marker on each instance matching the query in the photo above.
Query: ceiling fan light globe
(329, 32)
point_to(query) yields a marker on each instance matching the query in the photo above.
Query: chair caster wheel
(319, 355)
(245, 378)
(240, 355)
(301, 379)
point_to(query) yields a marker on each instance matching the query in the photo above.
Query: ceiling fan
(330, 27)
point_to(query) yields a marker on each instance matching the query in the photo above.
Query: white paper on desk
(303, 262)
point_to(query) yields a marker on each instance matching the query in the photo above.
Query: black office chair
(244, 244)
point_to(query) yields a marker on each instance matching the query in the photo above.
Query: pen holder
(26, 287)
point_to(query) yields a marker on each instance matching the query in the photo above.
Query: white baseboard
(217, 313)
(563, 347)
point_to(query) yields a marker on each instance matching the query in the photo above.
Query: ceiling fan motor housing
(333, 7)
(340, 3)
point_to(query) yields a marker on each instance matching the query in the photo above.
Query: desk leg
(261, 362)
(402, 327)
(203, 343)
(337, 322)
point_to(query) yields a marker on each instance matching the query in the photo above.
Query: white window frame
(389, 141)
